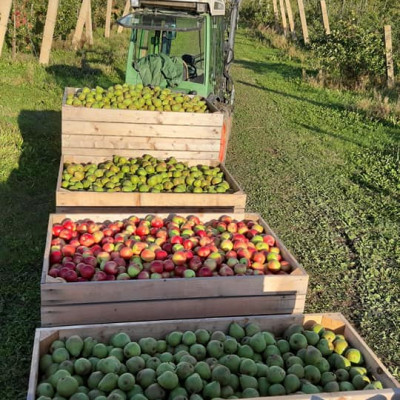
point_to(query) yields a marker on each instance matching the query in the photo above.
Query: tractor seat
(190, 61)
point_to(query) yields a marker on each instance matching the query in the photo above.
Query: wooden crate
(141, 300)
(95, 135)
(274, 323)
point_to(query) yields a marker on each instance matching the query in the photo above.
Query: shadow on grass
(26, 199)
(86, 74)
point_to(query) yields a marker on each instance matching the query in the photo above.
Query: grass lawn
(326, 179)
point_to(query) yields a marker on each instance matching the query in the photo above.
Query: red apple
(87, 271)
(144, 275)
(203, 251)
(57, 228)
(110, 267)
(90, 260)
(225, 270)
(65, 234)
(142, 230)
(161, 254)
(99, 276)
(258, 257)
(138, 247)
(55, 256)
(195, 263)
(177, 240)
(168, 265)
(69, 265)
(110, 278)
(108, 247)
(157, 266)
(204, 272)
(270, 240)
(54, 272)
(82, 227)
(68, 224)
(179, 270)
(86, 239)
(126, 252)
(157, 222)
(98, 236)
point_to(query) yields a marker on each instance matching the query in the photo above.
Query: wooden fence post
(303, 20)
(82, 19)
(276, 12)
(325, 17)
(126, 10)
(389, 56)
(48, 33)
(108, 19)
(5, 8)
(283, 15)
(290, 17)
(88, 24)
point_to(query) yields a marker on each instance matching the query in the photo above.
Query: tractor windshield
(168, 34)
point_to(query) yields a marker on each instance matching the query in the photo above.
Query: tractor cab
(178, 44)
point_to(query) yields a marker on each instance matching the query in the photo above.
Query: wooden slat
(159, 329)
(70, 113)
(139, 130)
(198, 155)
(168, 309)
(117, 143)
(87, 158)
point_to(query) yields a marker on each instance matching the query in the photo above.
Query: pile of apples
(156, 248)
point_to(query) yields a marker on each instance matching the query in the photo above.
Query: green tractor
(186, 45)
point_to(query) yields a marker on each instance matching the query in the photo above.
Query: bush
(351, 53)
(256, 12)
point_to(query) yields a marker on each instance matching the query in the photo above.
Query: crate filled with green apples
(299, 356)
(120, 267)
(131, 183)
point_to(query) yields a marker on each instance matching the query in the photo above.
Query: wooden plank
(117, 143)
(389, 56)
(198, 288)
(137, 199)
(48, 33)
(70, 113)
(5, 8)
(82, 19)
(196, 155)
(283, 15)
(159, 329)
(303, 21)
(276, 12)
(325, 17)
(89, 27)
(108, 19)
(290, 18)
(125, 12)
(139, 130)
(168, 309)
(87, 158)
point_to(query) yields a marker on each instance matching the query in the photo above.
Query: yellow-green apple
(261, 246)
(257, 266)
(138, 247)
(189, 273)
(240, 269)
(179, 258)
(226, 245)
(177, 247)
(155, 275)
(123, 277)
(274, 266)
(211, 264)
(232, 227)
(134, 269)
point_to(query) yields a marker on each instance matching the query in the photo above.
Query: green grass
(326, 179)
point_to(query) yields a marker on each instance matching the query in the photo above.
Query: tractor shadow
(26, 198)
